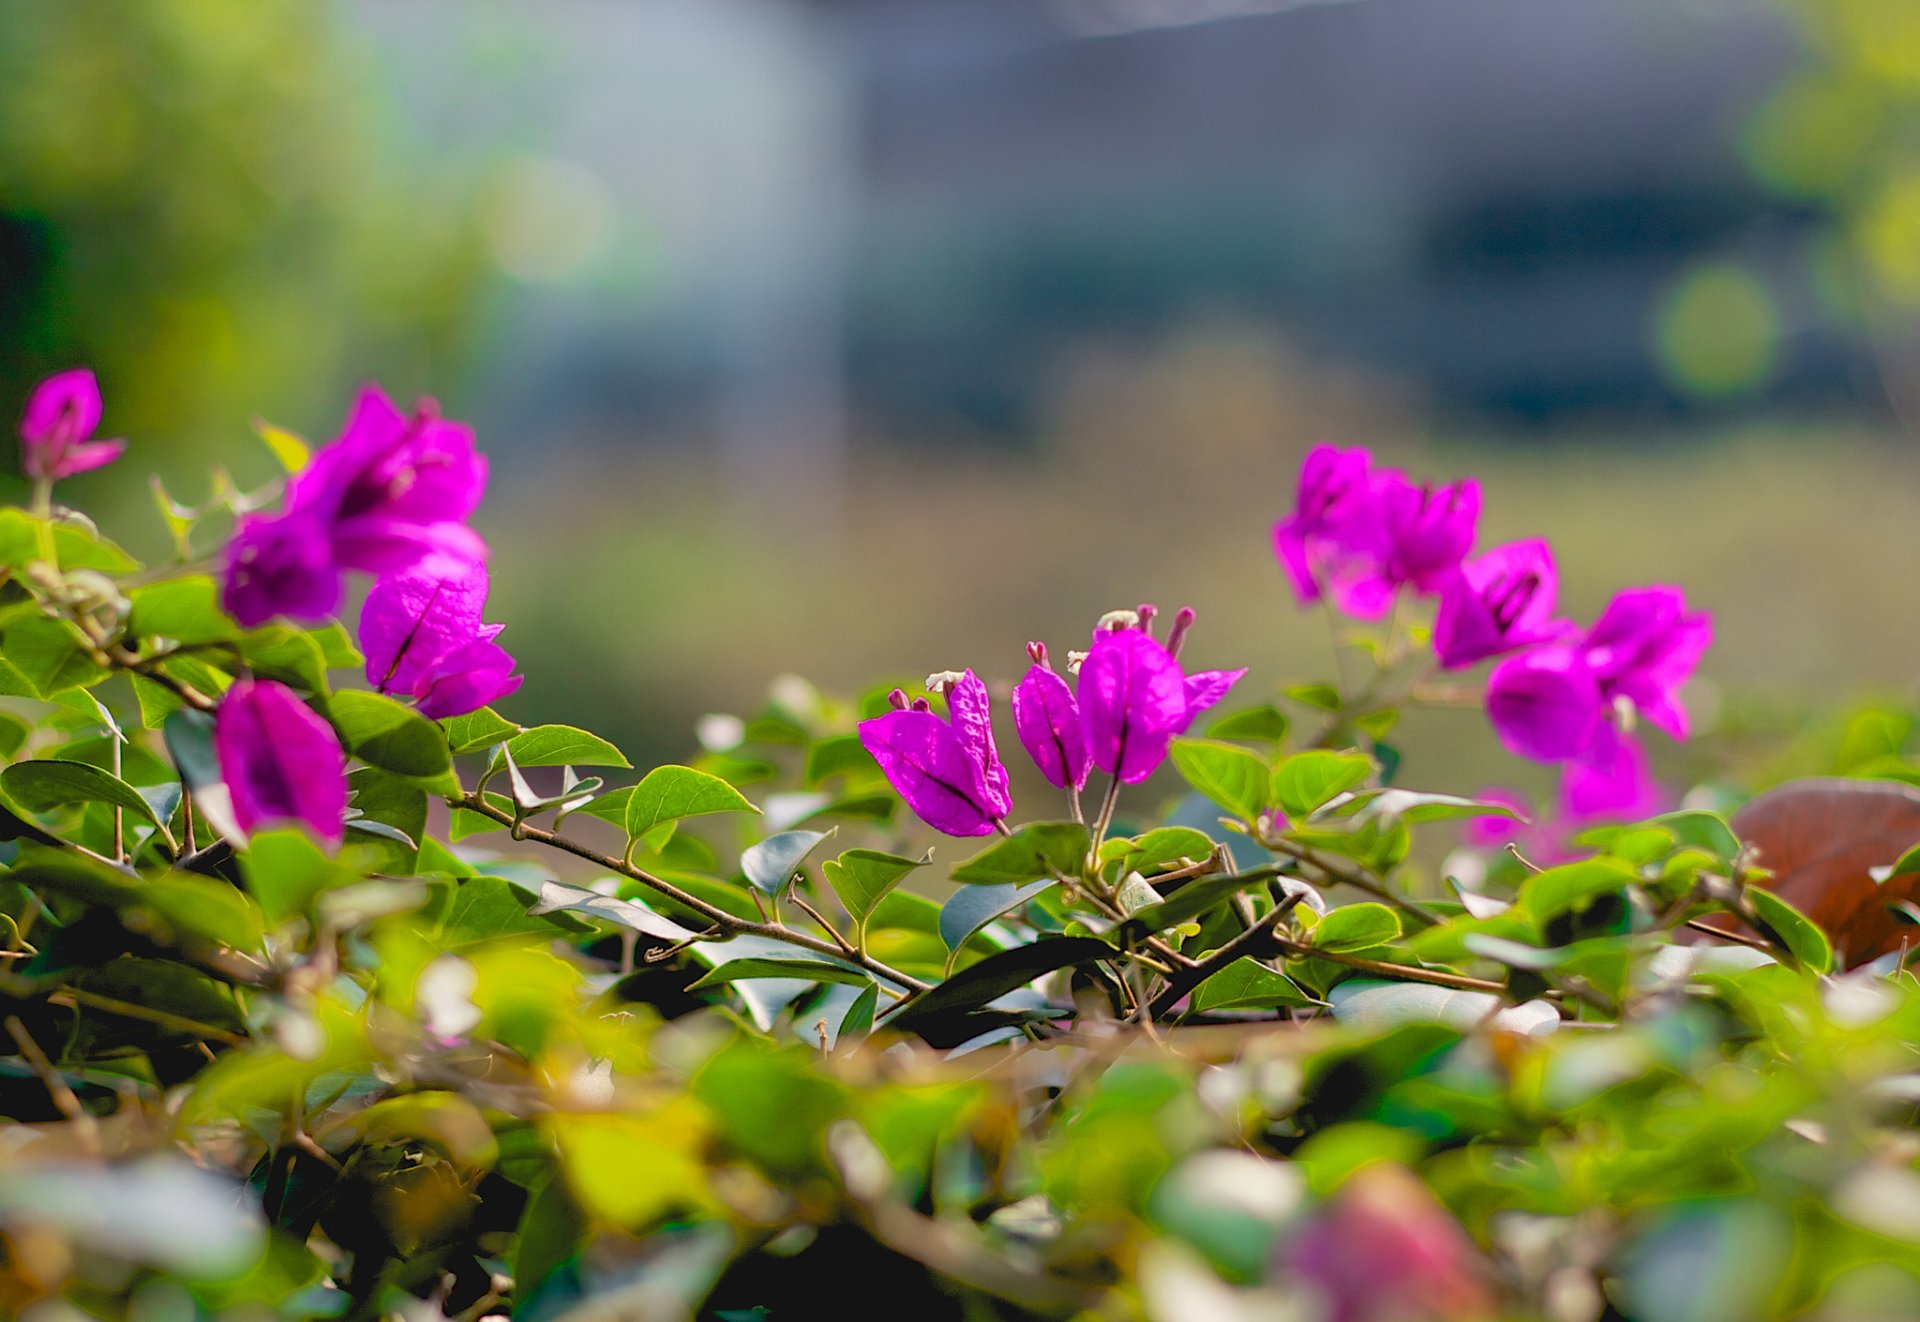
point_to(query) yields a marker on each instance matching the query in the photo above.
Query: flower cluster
(1359, 535)
(1133, 698)
(391, 495)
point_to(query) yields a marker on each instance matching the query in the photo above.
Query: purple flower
(1047, 719)
(1497, 603)
(1545, 704)
(1331, 541)
(390, 495)
(280, 760)
(1134, 699)
(55, 433)
(422, 636)
(1610, 781)
(1643, 647)
(948, 771)
(1426, 531)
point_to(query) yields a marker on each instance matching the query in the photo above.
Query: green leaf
(1414, 807)
(807, 968)
(858, 1021)
(1705, 830)
(477, 730)
(488, 909)
(186, 610)
(1158, 850)
(45, 658)
(1226, 773)
(1306, 781)
(862, 878)
(973, 907)
(285, 870)
(609, 807)
(556, 897)
(1322, 697)
(44, 786)
(1189, 902)
(770, 864)
(288, 655)
(669, 793)
(1266, 722)
(290, 450)
(1356, 927)
(209, 908)
(1041, 849)
(1807, 942)
(563, 745)
(76, 544)
(1247, 984)
(998, 974)
(1906, 865)
(13, 733)
(389, 735)
(1546, 895)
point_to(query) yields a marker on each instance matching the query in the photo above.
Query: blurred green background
(865, 338)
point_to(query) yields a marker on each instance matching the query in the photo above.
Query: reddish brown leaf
(1822, 839)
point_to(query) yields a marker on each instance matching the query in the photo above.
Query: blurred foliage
(194, 194)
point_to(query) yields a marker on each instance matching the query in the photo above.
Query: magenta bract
(1644, 646)
(280, 760)
(1497, 603)
(926, 761)
(423, 637)
(1610, 781)
(1425, 531)
(1545, 704)
(56, 431)
(970, 713)
(1047, 719)
(1330, 541)
(390, 495)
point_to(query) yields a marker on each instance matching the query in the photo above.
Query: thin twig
(73, 996)
(84, 1125)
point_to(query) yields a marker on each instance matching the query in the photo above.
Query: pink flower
(1426, 531)
(1134, 698)
(1496, 603)
(1384, 1250)
(280, 760)
(1047, 718)
(422, 637)
(949, 772)
(56, 430)
(1644, 646)
(390, 495)
(1545, 704)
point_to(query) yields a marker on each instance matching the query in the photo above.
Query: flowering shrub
(331, 991)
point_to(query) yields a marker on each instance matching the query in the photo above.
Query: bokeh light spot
(1717, 330)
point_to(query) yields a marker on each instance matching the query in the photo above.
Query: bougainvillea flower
(389, 496)
(1330, 543)
(56, 432)
(1609, 781)
(1385, 1250)
(948, 772)
(1545, 704)
(1134, 699)
(1643, 647)
(1047, 719)
(1498, 603)
(423, 637)
(1426, 531)
(280, 760)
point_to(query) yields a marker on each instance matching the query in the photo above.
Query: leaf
(75, 544)
(807, 968)
(1704, 830)
(477, 730)
(556, 897)
(206, 907)
(998, 974)
(1247, 984)
(1375, 1005)
(1266, 722)
(1226, 773)
(44, 786)
(489, 908)
(285, 870)
(1800, 934)
(1306, 781)
(1322, 697)
(1546, 895)
(1160, 849)
(1822, 839)
(45, 658)
(288, 655)
(1187, 903)
(186, 610)
(1041, 849)
(289, 449)
(669, 793)
(1415, 807)
(770, 864)
(563, 745)
(858, 1021)
(862, 878)
(1356, 927)
(972, 908)
(388, 735)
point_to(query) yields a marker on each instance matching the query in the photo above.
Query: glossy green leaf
(771, 863)
(804, 967)
(1807, 942)
(1040, 849)
(45, 786)
(389, 735)
(972, 907)
(1226, 773)
(862, 878)
(1247, 984)
(1354, 927)
(670, 793)
(187, 610)
(563, 745)
(1305, 782)
(477, 730)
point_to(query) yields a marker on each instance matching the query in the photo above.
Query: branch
(721, 918)
(1255, 938)
(1349, 874)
